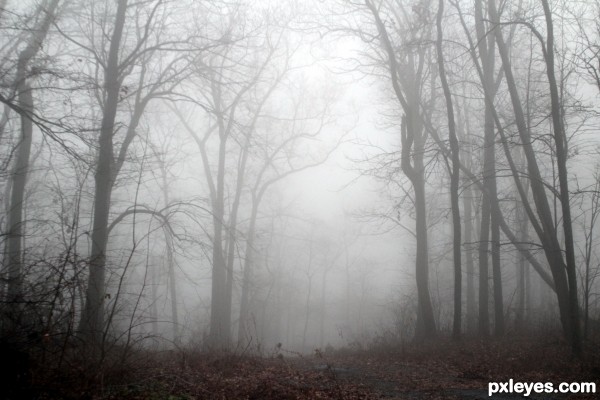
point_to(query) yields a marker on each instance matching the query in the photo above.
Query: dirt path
(458, 373)
(409, 381)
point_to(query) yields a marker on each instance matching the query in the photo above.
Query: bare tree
(127, 86)
(563, 271)
(280, 160)
(591, 270)
(232, 82)
(45, 15)
(590, 54)
(407, 80)
(454, 179)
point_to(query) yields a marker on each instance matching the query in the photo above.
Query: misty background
(245, 175)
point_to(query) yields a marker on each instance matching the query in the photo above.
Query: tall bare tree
(45, 15)
(454, 178)
(278, 160)
(232, 77)
(132, 73)
(486, 48)
(563, 269)
(407, 78)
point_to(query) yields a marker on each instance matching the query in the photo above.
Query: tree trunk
(522, 269)
(323, 311)
(173, 289)
(154, 280)
(92, 320)
(244, 334)
(306, 312)
(560, 140)
(170, 261)
(484, 319)
(548, 234)
(412, 134)
(497, 278)
(425, 319)
(232, 228)
(471, 309)
(469, 262)
(454, 180)
(21, 168)
(17, 198)
(220, 321)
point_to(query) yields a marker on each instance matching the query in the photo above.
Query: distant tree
(232, 77)
(277, 157)
(591, 264)
(163, 167)
(589, 57)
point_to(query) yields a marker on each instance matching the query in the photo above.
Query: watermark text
(528, 388)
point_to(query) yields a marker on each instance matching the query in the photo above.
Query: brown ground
(440, 370)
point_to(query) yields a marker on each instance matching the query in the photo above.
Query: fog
(266, 177)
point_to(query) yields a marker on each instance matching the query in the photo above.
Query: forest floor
(438, 370)
(449, 370)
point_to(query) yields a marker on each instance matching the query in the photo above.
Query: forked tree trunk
(560, 140)
(563, 273)
(413, 137)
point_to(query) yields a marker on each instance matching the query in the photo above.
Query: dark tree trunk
(413, 137)
(468, 220)
(560, 140)
(454, 180)
(469, 262)
(425, 319)
(92, 320)
(484, 319)
(20, 172)
(561, 271)
(489, 221)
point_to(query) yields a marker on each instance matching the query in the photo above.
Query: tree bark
(469, 262)
(471, 306)
(454, 179)
(547, 232)
(92, 320)
(413, 140)
(21, 167)
(560, 140)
